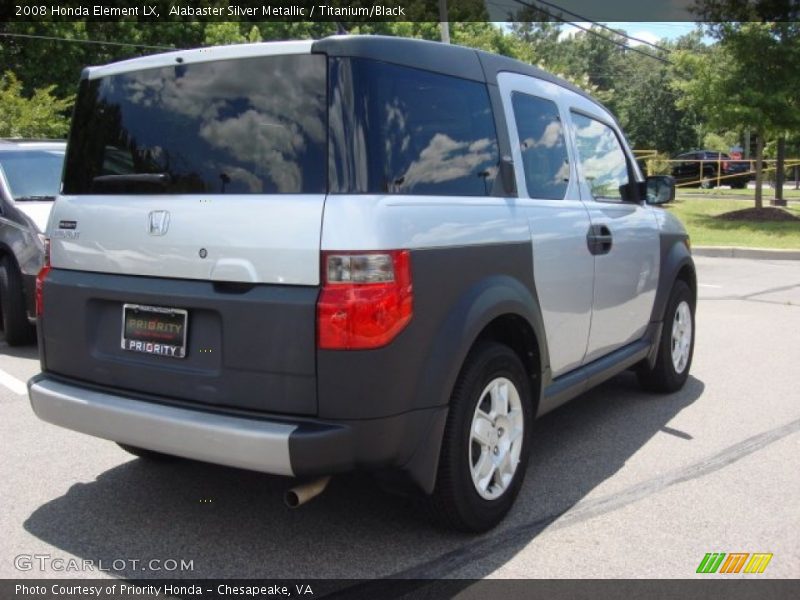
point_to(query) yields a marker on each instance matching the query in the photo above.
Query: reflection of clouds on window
(265, 116)
(428, 133)
(233, 174)
(602, 159)
(251, 137)
(401, 130)
(562, 174)
(551, 137)
(445, 159)
(545, 161)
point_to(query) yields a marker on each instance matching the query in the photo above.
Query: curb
(753, 253)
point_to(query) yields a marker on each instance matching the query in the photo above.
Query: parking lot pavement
(621, 483)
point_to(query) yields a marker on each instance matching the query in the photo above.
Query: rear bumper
(280, 446)
(258, 445)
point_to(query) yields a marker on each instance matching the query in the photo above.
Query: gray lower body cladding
(299, 447)
(374, 409)
(248, 347)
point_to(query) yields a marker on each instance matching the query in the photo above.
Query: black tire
(739, 185)
(13, 316)
(664, 377)
(455, 502)
(149, 455)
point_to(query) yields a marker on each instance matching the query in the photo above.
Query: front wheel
(676, 345)
(485, 448)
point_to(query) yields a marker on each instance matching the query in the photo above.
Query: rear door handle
(599, 239)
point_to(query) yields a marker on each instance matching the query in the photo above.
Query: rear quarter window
(238, 126)
(400, 130)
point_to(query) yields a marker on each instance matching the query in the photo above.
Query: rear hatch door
(185, 245)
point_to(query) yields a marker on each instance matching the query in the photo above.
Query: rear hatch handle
(125, 182)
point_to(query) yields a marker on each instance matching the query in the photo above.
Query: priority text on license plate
(154, 330)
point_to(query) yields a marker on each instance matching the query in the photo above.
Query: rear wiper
(34, 198)
(131, 183)
(152, 178)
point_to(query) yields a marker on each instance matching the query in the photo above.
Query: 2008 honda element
(354, 253)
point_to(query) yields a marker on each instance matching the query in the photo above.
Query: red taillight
(724, 164)
(366, 299)
(40, 277)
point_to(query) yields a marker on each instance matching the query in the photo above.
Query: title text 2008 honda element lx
(371, 253)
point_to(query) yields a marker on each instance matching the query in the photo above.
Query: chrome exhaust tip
(300, 494)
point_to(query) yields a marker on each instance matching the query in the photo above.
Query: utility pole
(444, 25)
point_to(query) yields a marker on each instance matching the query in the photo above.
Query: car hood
(38, 212)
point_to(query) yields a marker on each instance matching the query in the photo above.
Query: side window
(602, 158)
(400, 130)
(544, 152)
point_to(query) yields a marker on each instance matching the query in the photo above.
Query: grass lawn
(769, 193)
(698, 214)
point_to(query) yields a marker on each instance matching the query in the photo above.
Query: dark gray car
(30, 177)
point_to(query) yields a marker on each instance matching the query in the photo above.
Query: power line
(591, 31)
(76, 41)
(604, 26)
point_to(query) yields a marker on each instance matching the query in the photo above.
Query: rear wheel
(13, 317)
(676, 346)
(149, 455)
(485, 448)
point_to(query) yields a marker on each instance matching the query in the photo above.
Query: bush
(658, 165)
(41, 115)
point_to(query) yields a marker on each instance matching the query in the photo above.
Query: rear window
(33, 174)
(400, 130)
(240, 126)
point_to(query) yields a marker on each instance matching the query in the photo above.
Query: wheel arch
(676, 263)
(498, 308)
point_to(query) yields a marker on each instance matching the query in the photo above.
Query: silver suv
(354, 253)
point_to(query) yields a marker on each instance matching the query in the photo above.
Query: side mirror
(660, 189)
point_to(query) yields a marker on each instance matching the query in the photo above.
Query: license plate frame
(145, 336)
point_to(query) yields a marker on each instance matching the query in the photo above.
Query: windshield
(240, 126)
(33, 174)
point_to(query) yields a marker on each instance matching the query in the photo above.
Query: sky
(649, 32)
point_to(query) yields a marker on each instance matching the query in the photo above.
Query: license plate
(154, 330)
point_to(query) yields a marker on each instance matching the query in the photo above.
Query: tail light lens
(366, 299)
(724, 164)
(41, 276)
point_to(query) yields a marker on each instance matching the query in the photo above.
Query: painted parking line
(12, 383)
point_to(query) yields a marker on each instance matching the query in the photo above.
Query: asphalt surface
(621, 484)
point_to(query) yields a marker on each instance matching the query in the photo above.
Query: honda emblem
(158, 222)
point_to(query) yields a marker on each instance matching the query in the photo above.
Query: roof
(23, 143)
(448, 59)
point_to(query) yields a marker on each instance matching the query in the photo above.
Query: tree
(746, 80)
(41, 115)
(646, 103)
